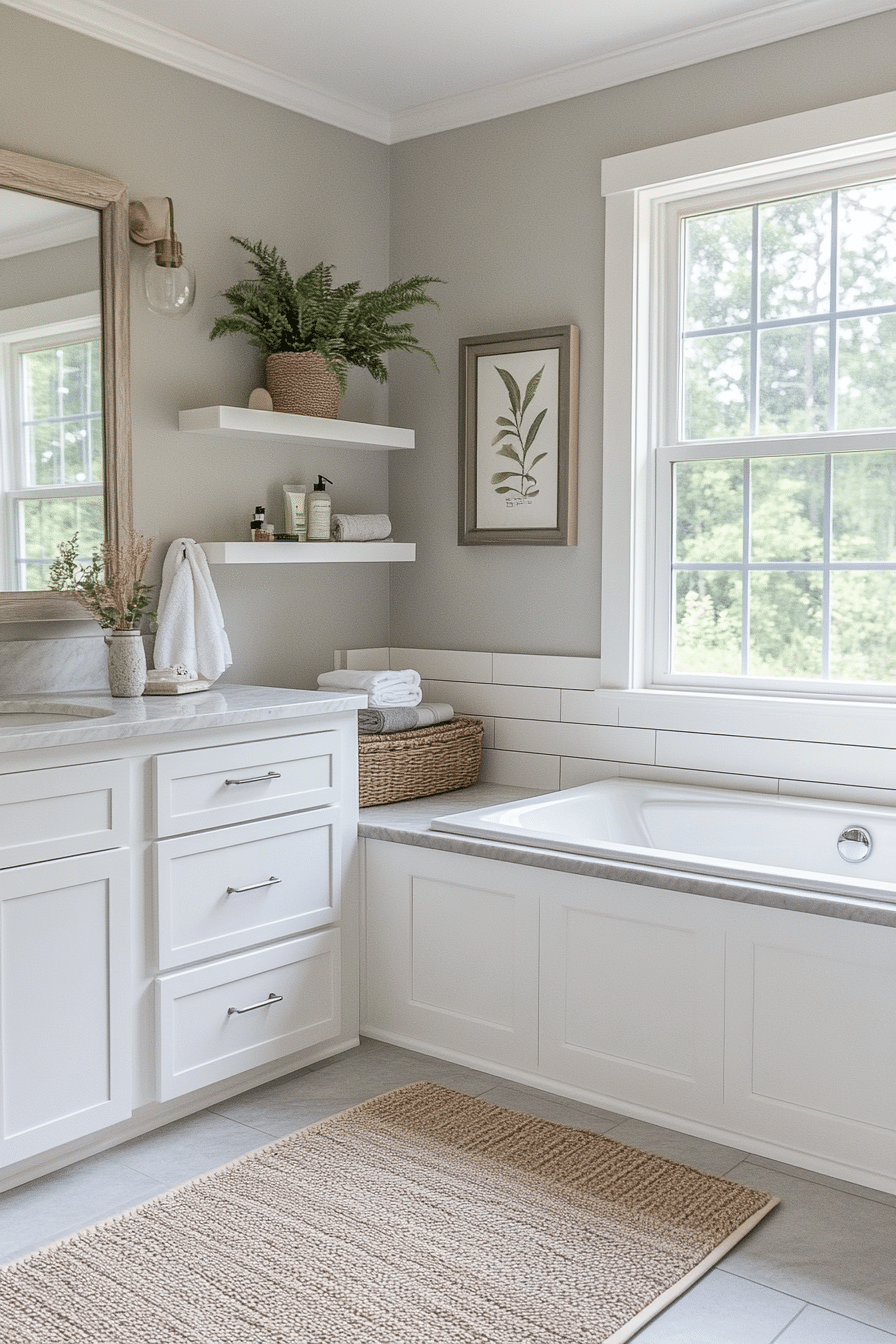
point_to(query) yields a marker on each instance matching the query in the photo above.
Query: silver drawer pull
(271, 882)
(271, 998)
(256, 779)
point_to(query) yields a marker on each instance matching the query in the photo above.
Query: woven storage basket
(302, 383)
(392, 766)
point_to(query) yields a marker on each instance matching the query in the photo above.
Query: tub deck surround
(410, 823)
(223, 706)
(751, 1013)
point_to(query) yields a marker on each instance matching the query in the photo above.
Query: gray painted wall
(52, 273)
(233, 165)
(509, 212)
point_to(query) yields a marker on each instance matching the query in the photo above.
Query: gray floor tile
(281, 1107)
(723, 1309)
(833, 1249)
(703, 1154)
(548, 1107)
(190, 1147)
(814, 1326)
(373, 1068)
(53, 1206)
(882, 1196)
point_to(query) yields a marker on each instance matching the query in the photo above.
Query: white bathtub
(769, 838)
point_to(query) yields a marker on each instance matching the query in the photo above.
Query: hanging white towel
(384, 690)
(191, 626)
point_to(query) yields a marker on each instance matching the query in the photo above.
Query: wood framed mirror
(40, 180)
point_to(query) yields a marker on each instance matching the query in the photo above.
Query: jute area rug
(422, 1217)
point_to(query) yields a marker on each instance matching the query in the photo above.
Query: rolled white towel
(361, 526)
(384, 690)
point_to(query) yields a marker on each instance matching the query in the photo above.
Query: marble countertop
(408, 823)
(110, 719)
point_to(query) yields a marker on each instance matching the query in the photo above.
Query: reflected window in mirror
(51, 385)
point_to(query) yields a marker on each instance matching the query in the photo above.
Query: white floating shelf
(239, 422)
(307, 552)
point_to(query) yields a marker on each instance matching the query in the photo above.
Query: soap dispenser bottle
(320, 508)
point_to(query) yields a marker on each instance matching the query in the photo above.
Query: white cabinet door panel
(452, 951)
(632, 994)
(72, 809)
(220, 891)
(811, 1058)
(65, 1034)
(218, 786)
(221, 1018)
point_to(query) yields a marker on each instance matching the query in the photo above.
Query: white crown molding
(52, 235)
(144, 38)
(772, 23)
(769, 24)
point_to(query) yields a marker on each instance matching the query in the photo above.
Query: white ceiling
(395, 69)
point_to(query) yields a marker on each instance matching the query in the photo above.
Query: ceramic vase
(127, 662)
(303, 384)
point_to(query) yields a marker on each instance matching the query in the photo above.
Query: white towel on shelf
(190, 623)
(361, 526)
(384, 690)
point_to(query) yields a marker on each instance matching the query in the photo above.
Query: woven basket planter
(393, 766)
(301, 383)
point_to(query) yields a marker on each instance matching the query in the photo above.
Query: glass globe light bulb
(169, 282)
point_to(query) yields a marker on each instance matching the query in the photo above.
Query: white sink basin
(24, 713)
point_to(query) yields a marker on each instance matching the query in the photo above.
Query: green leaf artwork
(517, 442)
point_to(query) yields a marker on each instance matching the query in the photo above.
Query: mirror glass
(51, 386)
(64, 389)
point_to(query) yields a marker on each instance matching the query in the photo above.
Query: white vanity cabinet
(259, 870)
(65, 982)
(178, 910)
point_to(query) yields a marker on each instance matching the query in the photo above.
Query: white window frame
(646, 193)
(32, 326)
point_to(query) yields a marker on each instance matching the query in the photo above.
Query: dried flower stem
(110, 587)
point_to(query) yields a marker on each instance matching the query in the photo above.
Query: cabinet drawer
(221, 891)
(220, 1019)
(73, 809)
(220, 785)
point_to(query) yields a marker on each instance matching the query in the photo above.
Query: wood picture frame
(518, 433)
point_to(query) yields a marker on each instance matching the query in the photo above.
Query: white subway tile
(530, 669)
(362, 660)
(444, 664)
(509, 702)
(838, 793)
(869, 766)
(488, 734)
(524, 770)
(590, 707)
(575, 771)
(705, 778)
(575, 739)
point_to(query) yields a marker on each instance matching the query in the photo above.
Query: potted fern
(311, 331)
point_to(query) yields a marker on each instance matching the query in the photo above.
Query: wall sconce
(168, 281)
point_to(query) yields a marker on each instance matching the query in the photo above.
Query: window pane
(863, 626)
(44, 523)
(708, 622)
(62, 381)
(709, 511)
(785, 625)
(793, 379)
(787, 508)
(718, 265)
(43, 454)
(863, 512)
(866, 375)
(716, 387)
(867, 262)
(795, 257)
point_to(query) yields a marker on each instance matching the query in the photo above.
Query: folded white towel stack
(191, 626)
(384, 690)
(361, 526)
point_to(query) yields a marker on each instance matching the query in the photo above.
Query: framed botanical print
(518, 417)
